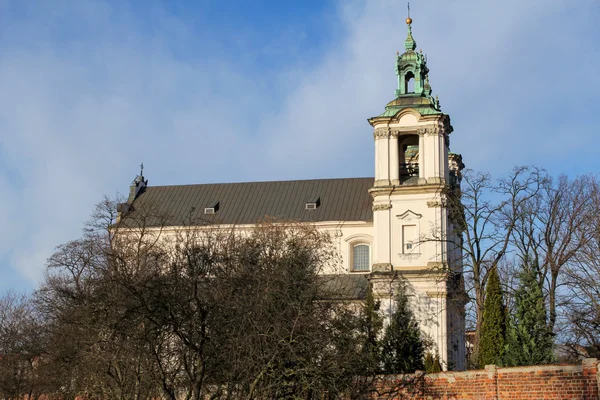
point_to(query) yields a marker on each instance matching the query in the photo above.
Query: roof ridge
(253, 182)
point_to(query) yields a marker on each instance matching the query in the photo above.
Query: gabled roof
(345, 199)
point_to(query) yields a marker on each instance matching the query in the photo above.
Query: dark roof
(345, 199)
(345, 286)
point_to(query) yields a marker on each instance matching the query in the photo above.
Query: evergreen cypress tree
(432, 363)
(402, 345)
(528, 341)
(493, 330)
(371, 324)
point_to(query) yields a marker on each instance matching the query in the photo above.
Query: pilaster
(382, 243)
(394, 164)
(382, 151)
(422, 158)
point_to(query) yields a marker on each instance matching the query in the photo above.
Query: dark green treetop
(493, 330)
(371, 325)
(529, 342)
(403, 346)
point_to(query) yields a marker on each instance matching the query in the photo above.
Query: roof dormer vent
(212, 208)
(313, 203)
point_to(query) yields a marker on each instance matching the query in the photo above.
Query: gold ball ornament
(408, 21)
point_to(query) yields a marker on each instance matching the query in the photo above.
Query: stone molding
(382, 182)
(436, 294)
(409, 215)
(382, 267)
(383, 188)
(381, 207)
(436, 204)
(409, 256)
(437, 265)
(436, 180)
(430, 131)
(381, 133)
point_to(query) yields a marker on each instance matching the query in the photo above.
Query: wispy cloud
(90, 89)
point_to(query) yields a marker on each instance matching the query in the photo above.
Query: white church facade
(394, 225)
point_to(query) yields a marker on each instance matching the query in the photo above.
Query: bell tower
(413, 231)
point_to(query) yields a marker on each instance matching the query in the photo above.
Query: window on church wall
(409, 239)
(361, 260)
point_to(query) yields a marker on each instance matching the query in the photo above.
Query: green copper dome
(413, 89)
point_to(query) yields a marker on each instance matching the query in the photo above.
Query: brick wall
(492, 383)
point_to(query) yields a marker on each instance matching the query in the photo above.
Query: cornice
(412, 189)
(440, 118)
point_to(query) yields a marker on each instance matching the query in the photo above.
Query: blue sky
(213, 91)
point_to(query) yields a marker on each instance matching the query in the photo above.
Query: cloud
(503, 72)
(79, 115)
(91, 89)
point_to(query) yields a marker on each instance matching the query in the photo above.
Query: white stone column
(443, 333)
(443, 156)
(446, 162)
(422, 156)
(435, 136)
(394, 164)
(433, 151)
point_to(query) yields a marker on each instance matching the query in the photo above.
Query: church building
(394, 225)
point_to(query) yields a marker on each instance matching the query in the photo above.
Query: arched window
(361, 257)
(409, 80)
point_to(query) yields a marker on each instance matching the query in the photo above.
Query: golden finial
(408, 19)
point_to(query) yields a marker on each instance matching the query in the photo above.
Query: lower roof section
(345, 199)
(345, 286)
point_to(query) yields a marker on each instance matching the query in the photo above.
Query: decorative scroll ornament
(436, 203)
(381, 133)
(380, 207)
(430, 131)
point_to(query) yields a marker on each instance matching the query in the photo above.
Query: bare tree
(582, 276)
(22, 345)
(553, 228)
(483, 215)
(201, 311)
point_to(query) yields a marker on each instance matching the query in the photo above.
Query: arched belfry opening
(408, 148)
(409, 82)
